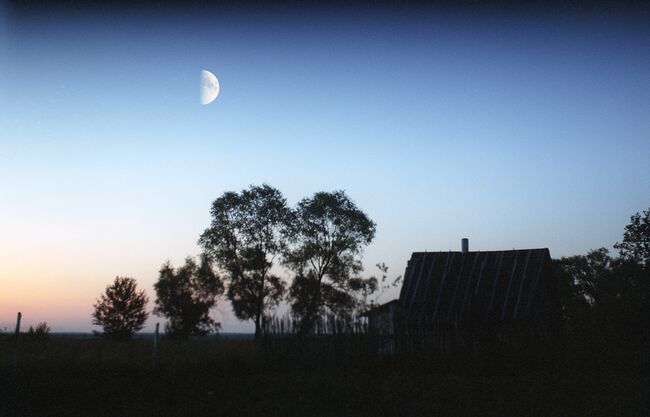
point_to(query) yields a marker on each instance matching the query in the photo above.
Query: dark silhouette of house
(465, 300)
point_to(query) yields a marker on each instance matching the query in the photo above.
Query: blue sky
(511, 129)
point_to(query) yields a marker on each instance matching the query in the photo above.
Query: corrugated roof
(476, 287)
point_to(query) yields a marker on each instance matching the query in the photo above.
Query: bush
(40, 332)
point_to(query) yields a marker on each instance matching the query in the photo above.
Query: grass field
(93, 377)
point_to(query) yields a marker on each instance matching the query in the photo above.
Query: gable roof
(476, 287)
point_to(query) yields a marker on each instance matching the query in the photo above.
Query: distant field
(72, 376)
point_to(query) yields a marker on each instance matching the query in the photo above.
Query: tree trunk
(258, 326)
(259, 314)
(307, 324)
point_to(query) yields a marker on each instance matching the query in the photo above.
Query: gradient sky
(514, 128)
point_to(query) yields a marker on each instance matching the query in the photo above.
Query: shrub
(40, 332)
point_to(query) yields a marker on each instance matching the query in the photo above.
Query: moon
(209, 87)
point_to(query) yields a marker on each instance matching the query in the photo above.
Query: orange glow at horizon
(58, 291)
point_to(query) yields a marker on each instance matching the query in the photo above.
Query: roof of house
(478, 287)
(381, 308)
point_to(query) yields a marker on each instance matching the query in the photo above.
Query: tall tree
(247, 233)
(635, 246)
(121, 309)
(329, 233)
(186, 295)
(634, 265)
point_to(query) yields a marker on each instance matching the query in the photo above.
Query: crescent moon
(209, 87)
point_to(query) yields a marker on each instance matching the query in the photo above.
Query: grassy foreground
(77, 377)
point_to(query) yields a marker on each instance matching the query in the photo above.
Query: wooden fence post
(154, 354)
(14, 355)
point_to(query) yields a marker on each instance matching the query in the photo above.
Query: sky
(515, 128)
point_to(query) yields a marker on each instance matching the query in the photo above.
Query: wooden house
(465, 300)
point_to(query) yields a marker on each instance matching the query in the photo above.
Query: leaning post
(154, 354)
(14, 355)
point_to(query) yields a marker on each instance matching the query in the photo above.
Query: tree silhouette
(635, 247)
(607, 297)
(121, 309)
(248, 231)
(185, 297)
(329, 233)
(586, 275)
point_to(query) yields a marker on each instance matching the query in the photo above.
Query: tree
(328, 235)
(185, 297)
(248, 231)
(608, 296)
(635, 247)
(121, 309)
(634, 264)
(585, 276)
(582, 280)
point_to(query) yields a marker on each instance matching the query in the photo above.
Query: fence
(323, 326)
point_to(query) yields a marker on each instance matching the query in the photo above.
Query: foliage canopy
(121, 309)
(248, 231)
(329, 233)
(607, 295)
(635, 246)
(185, 297)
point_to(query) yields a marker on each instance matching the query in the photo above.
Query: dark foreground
(77, 377)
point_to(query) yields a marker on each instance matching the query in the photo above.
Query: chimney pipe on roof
(464, 245)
